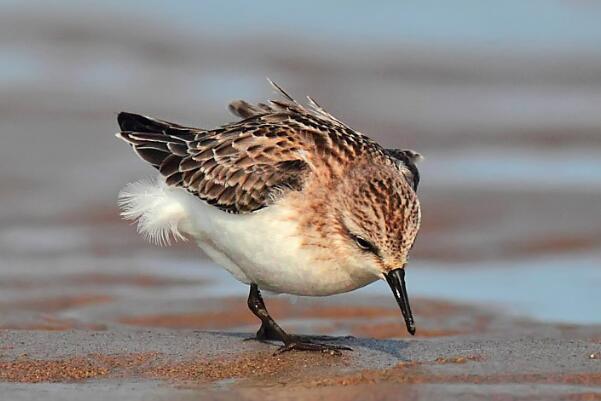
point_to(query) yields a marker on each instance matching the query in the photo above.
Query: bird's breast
(269, 248)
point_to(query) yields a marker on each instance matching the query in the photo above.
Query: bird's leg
(270, 330)
(267, 333)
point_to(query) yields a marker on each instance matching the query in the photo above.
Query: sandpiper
(289, 199)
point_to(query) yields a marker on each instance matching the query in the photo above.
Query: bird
(288, 199)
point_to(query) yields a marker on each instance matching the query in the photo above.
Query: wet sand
(164, 347)
(213, 365)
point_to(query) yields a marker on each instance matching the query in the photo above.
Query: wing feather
(237, 169)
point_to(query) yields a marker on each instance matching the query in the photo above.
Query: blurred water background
(503, 98)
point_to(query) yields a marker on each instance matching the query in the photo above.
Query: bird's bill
(396, 281)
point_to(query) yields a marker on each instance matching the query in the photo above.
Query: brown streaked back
(247, 165)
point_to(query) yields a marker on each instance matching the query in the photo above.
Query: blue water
(576, 169)
(533, 24)
(564, 289)
(18, 66)
(510, 23)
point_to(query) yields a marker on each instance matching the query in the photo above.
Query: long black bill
(396, 281)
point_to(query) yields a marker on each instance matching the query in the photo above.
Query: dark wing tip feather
(128, 121)
(139, 123)
(152, 142)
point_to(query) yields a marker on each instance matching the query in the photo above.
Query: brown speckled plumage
(247, 165)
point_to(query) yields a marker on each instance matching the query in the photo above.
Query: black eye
(365, 244)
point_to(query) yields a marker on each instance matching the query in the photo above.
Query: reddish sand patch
(395, 329)
(26, 370)
(228, 317)
(459, 359)
(58, 303)
(588, 396)
(266, 368)
(260, 366)
(558, 243)
(232, 313)
(99, 279)
(134, 280)
(35, 371)
(53, 324)
(401, 374)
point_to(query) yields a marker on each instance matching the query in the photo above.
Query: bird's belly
(265, 248)
(299, 275)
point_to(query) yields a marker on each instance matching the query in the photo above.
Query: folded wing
(239, 168)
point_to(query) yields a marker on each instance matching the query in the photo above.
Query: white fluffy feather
(156, 208)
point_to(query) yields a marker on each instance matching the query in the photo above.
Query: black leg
(266, 333)
(270, 330)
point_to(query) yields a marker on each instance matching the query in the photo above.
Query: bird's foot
(266, 334)
(297, 345)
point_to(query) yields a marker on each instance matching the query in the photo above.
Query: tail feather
(160, 143)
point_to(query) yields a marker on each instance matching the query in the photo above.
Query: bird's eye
(364, 244)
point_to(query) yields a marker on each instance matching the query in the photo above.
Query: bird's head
(378, 216)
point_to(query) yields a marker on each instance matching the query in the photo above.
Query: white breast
(263, 247)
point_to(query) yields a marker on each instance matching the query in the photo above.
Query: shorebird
(289, 199)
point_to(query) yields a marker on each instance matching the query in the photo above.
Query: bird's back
(247, 165)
